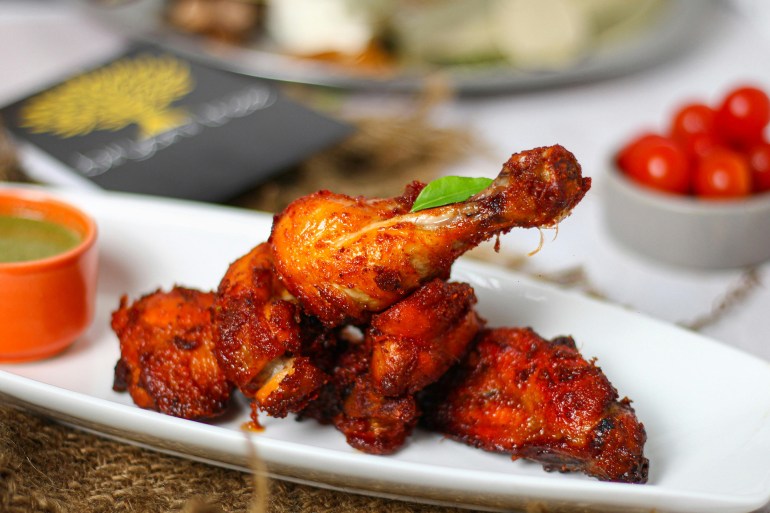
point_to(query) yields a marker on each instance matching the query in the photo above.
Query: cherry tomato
(693, 127)
(743, 115)
(625, 152)
(759, 165)
(656, 162)
(722, 174)
(692, 119)
(698, 145)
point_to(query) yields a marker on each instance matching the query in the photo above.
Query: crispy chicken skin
(370, 397)
(373, 423)
(415, 341)
(370, 421)
(255, 319)
(259, 334)
(345, 258)
(520, 394)
(292, 384)
(167, 361)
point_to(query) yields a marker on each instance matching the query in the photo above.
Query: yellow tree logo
(135, 90)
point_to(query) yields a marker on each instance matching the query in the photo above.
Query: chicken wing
(370, 397)
(415, 341)
(345, 258)
(370, 421)
(532, 398)
(259, 334)
(291, 384)
(167, 361)
(256, 320)
(373, 423)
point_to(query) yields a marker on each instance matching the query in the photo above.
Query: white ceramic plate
(676, 27)
(706, 407)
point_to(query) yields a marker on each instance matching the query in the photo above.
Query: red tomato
(743, 115)
(698, 145)
(692, 119)
(759, 164)
(657, 162)
(722, 174)
(693, 127)
(625, 152)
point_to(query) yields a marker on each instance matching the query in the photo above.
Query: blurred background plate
(656, 30)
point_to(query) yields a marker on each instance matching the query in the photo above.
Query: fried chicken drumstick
(520, 394)
(345, 258)
(259, 335)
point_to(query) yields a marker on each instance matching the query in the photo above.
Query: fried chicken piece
(370, 397)
(345, 258)
(167, 361)
(373, 423)
(370, 421)
(415, 341)
(520, 394)
(292, 383)
(344, 362)
(255, 319)
(259, 333)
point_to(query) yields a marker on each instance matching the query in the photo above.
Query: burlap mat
(48, 467)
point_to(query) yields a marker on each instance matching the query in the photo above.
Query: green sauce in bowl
(23, 239)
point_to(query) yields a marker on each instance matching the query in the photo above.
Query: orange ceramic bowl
(46, 304)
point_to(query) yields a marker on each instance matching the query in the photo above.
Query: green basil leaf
(449, 189)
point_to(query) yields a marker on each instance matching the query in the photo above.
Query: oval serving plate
(704, 404)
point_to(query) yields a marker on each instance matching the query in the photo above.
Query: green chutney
(23, 239)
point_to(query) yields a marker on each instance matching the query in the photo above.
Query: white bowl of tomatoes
(698, 194)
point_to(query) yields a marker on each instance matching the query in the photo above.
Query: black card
(153, 122)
